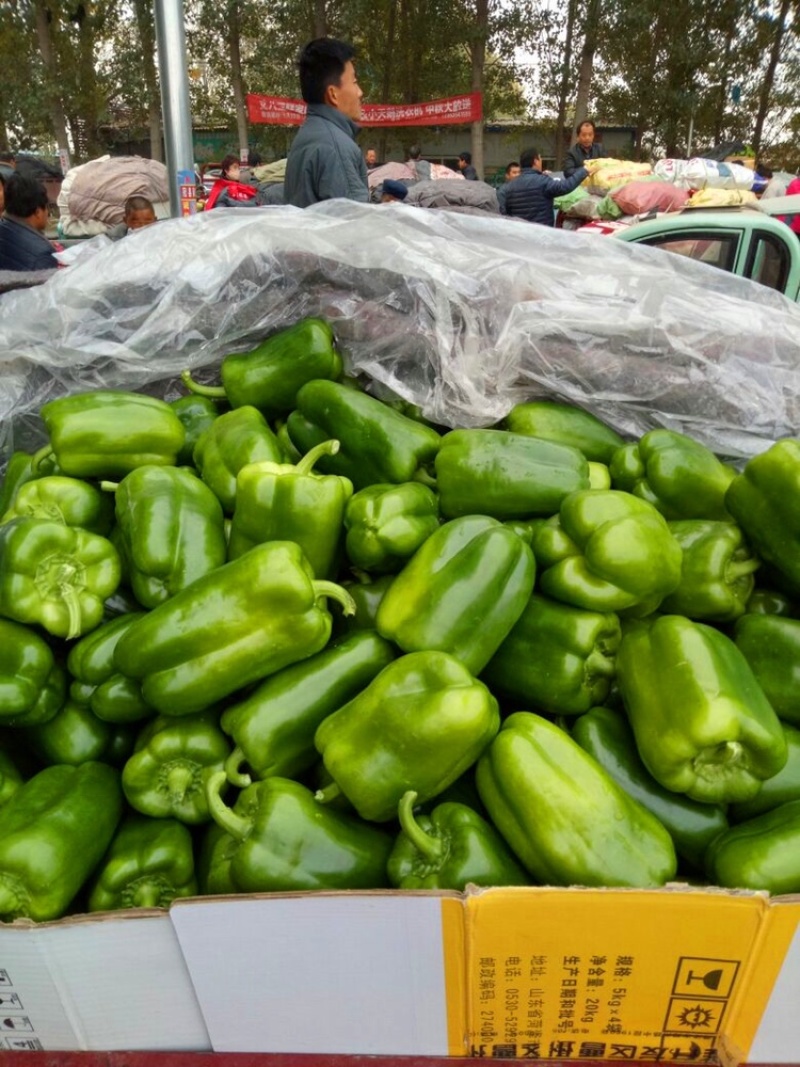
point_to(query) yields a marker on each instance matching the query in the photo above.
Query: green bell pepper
(270, 375)
(717, 572)
(53, 832)
(96, 682)
(231, 442)
(196, 414)
(378, 444)
(769, 602)
(566, 425)
(273, 728)
(54, 575)
(278, 839)
(73, 736)
(70, 501)
(32, 685)
(107, 433)
(448, 849)
(607, 551)
(284, 502)
(172, 761)
(675, 473)
(11, 777)
(239, 624)
(149, 863)
(418, 725)
(564, 817)
(19, 471)
(771, 645)
(780, 788)
(367, 595)
(505, 475)
(461, 592)
(556, 657)
(702, 724)
(608, 738)
(386, 524)
(762, 853)
(170, 530)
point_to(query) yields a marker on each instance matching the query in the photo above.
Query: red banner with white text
(284, 111)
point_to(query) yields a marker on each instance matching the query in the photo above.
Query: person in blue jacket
(531, 195)
(23, 245)
(324, 161)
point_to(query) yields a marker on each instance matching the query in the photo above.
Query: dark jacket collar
(330, 114)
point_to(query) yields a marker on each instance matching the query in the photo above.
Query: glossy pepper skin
(675, 473)
(171, 531)
(556, 657)
(173, 760)
(780, 789)
(417, 726)
(270, 375)
(231, 442)
(53, 832)
(769, 602)
(448, 849)
(32, 685)
(278, 839)
(386, 524)
(506, 475)
(239, 624)
(566, 425)
(607, 551)
(378, 444)
(108, 433)
(73, 736)
(54, 575)
(274, 727)
(95, 680)
(564, 817)
(148, 864)
(702, 724)
(771, 645)
(606, 735)
(762, 853)
(71, 501)
(290, 502)
(196, 414)
(461, 592)
(19, 471)
(717, 572)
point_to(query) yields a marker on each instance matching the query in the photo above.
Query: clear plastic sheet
(463, 315)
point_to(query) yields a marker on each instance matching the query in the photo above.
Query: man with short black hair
(531, 195)
(23, 245)
(324, 161)
(584, 149)
(466, 167)
(138, 212)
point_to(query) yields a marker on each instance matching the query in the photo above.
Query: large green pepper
(556, 657)
(54, 575)
(675, 473)
(73, 736)
(703, 726)
(771, 645)
(274, 727)
(196, 414)
(765, 500)
(449, 848)
(386, 524)
(607, 737)
(279, 839)
(378, 444)
(19, 471)
(61, 499)
(96, 681)
(566, 425)
(106, 434)
(564, 817)
(506, 475)
(270, 375)
(231, 442)
(32, 685)
(239, 624)
(461, 592)
(418, 725)
(780, 788)
(53, 832)
(173, 760)
(762, 853)
(717, 572)
(607, 551)
(289, 502)
(170, 531)
(149, 863)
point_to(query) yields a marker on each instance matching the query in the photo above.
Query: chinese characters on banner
(283, 111)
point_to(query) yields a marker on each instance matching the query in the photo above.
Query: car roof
(780, 205)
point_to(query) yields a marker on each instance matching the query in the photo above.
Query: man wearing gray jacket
(324, 161)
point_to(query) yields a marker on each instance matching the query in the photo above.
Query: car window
(768, 261)
(714, 248)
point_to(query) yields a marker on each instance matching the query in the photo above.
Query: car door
(719, 247)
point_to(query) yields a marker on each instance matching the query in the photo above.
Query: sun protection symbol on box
(693, 1016)
(697, 976)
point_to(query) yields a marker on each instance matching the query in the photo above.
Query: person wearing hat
(392, 191)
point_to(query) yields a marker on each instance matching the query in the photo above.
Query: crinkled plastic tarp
(464, 316)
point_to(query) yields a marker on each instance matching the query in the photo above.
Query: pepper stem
(740, 568)
(329, 793)
(423, 476)
(222, 815)
(324, 448)
(423, 842)
(335, 592)
(109, 487)
(215, 391)
(234, 775)
(72, 603)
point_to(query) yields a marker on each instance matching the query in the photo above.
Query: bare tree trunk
(388, 67)
(320, 19)
(560, 147)
(237, 81)
(88, 79)
(587, 63)
(147, 37)
(57, 117)
(478, 56)
(769, 77)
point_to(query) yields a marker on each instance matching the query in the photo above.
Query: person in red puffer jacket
(228, 191)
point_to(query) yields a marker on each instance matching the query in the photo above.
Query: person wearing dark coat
(531, 195)
(466, 167)
(23, 245)
(584, 148)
